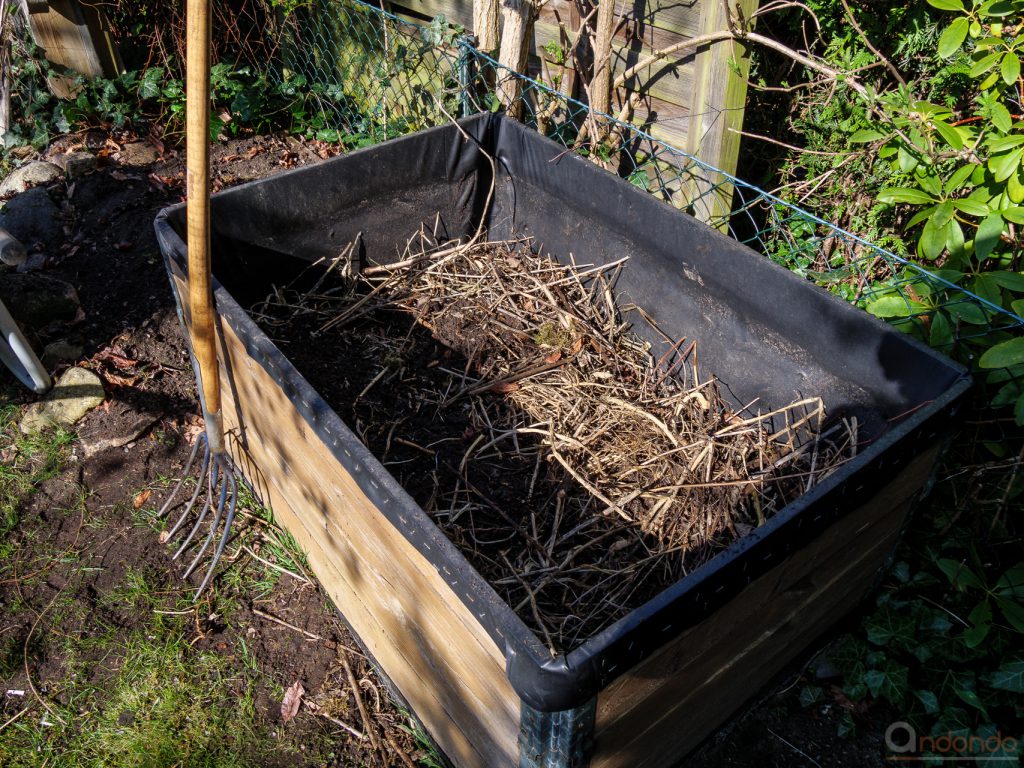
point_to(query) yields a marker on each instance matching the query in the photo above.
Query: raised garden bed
(646, 683)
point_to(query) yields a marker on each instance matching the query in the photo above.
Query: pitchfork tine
(188, 468)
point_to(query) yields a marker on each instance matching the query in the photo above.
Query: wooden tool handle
(200, 290)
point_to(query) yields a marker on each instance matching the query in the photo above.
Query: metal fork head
(216, 492)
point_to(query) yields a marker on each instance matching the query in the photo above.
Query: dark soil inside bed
(380, 376)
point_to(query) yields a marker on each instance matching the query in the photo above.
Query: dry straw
(629, 471)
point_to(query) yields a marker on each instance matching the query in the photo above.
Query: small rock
(77, 164)
(36, 301)
(30, 175)
(137, 154)
(76, 393)
(33, 263)
(32, 217)
(825, 669)
(59, 352)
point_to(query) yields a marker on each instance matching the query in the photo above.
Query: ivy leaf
(953, 37)
(989, 231)
(947, 5)
(1009, 68)
(1009, 677)
(1004, 355)
(1001, 118)
(928, 700)
(904, 195)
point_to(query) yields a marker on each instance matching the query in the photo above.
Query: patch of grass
(25, 462)
(164, 703)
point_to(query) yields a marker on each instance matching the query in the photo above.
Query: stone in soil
(38, 301)
(76, 164)
(59, 352)
(30, 175)
(34, 219)
(76, 393)
(121, 425)
(137, 154)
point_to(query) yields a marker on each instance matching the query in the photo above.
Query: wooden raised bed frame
(450, 648)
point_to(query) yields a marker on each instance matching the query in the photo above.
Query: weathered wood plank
(425, 639)
(73, 36)
(661, 710)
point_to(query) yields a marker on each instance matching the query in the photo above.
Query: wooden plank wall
(695, 101)
(663, 708)
(72, 35)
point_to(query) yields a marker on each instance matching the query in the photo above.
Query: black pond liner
(762, 330)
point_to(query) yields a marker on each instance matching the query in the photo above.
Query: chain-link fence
(373, 76)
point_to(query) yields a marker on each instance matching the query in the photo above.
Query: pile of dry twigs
(620, 472)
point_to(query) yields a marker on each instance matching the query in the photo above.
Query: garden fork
(215, 483)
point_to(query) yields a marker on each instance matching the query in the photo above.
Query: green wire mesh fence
(370, 76)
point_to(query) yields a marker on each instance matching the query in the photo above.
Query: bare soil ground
(104, 659)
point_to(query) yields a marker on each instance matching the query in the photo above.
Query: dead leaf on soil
(503, 387)
(292, 700)
(194, 428)
(164, 536)
(141, 498)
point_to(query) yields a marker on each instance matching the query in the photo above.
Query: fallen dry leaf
(554, 357)
(141, 498)
(503, 387)
(292, 700)
(164, 536)
(194, 428)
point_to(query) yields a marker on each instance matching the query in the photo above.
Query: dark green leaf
(1003, 165)
(984, 64)
(988, 235)
(1009, 68)
(1009, 677)
(953, 37)
(941, 334)
(1001, 118)
(894, 306)
(1018, 412)
(972, 207)
(958, 177)
(1015, 214)
(1012, 281)
(1004, 355)
(928, 700)
(1011, 583)
(933, 239)
(947, 5)
(981, 622)
(997, 8)
(904, 195)
(1013, 612)
(950, 134)
(959, 574)
(866, 135)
